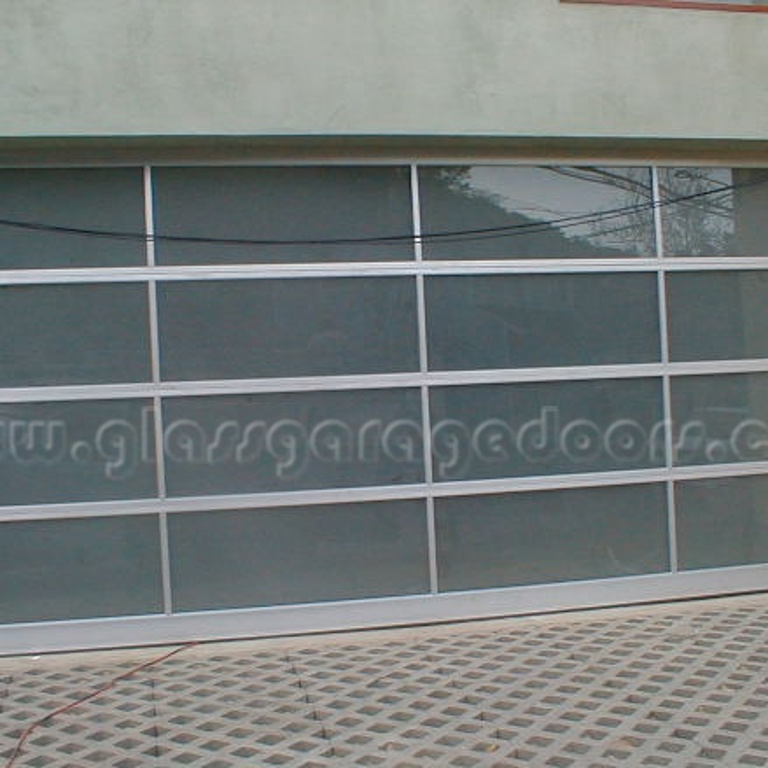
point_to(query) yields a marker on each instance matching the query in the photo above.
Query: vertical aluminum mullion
(157, 402)
(666, 377)
(426, 419)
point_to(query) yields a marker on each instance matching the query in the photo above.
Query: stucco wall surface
(379, 67)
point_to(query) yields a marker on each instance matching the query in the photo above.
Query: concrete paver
(683, 684)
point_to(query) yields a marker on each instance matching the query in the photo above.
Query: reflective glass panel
(225, 329)
(509, 430)
(80, 568)
(283, 442)
(513, 539)
(76, 451)
(298, 555)
(718, 315)
(51, 201)
(714, 211)
(506, 212)
(338, 203)
(73, 334)
(722, 522)
(518, 321)
(720, 419)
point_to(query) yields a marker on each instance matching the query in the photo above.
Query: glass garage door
(251, 400)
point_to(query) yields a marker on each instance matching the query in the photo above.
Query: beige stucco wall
(379, 67)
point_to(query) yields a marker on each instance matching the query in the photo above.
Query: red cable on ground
(104, 688)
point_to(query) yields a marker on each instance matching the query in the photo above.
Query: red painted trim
(688, 5)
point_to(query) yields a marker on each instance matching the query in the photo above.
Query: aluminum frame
(435, 606)
(376, 613)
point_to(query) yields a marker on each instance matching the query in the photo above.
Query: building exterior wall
(379, 67)
(367, 214)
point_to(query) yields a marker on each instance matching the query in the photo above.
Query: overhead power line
(462, 235)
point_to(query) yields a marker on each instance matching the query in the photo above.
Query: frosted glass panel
(73, 334)
(518, 321)
(719, 211)
(509, 430)
(76, 451)
(536, 212)
(550, 536)
(297, 555)
(718, 315)
(81, 568)
(722, 522)
(226, 329)
(104, 199)
(284, 442)
(319, 203)
(720, 419)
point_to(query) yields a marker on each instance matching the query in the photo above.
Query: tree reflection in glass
(718, 211)
(523, 212)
